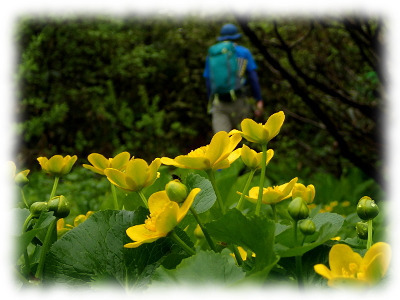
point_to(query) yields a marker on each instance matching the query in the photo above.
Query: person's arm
(252, 77)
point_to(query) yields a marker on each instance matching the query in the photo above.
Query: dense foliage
(107, 84)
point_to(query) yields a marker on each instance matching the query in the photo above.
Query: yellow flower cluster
(63, 228)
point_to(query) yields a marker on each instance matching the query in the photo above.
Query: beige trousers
(227, 116)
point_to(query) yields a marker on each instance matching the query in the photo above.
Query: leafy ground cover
(116, 221)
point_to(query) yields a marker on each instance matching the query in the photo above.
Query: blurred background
(110, 84)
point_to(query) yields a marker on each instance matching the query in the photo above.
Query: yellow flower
(348, 267)
(82, 218)
(252, 159)
(164, 216)
(261, 133)
(63, 228)
(100, 163)
(57, 165)
(138, 175)
(20, 178)
(243, 253)
(218, 154)
(306, 193)
(272, 195)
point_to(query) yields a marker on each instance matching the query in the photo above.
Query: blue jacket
(251, 74)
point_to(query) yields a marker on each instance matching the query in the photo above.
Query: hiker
(230, 71)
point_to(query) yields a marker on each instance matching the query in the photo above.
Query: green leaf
(206, 198)
(39, 229)
(205, 267)
(327, 226)
(255, 233)
(94, 251)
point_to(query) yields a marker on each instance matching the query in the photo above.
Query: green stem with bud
(55, 184)
(262, 178)
(205, 232)
(45, 248)
(369, 241)
(181, 243)
(24, 199)
(299, 263)
(239, 206)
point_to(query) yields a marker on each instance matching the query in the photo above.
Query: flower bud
(37, 207)
(59, 205)
(362, 230)
(367, 208)
(298, 209)
(21, 179)
(307, 227)
(176, 191)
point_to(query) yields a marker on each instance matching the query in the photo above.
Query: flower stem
(143, 198)
(24, 199)
(273, 206)
(237, 255)
(262, 178)
(25, 225)
(299, 267)
(45, 248)
(114, 193)
(181, 243)
(205, 232)
(369, 241)
(53, 191)
(26, 256)
(239, 206)
(211, 176)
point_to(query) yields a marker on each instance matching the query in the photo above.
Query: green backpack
(224, 71)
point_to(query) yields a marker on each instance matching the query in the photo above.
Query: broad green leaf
(327, 226)
(206, 198)
(206, 267)
(94, 251)
(252, 233)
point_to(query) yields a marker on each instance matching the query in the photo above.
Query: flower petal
(55, 164)
(376, 261)
(152, 173)
(253, 131)
(68, 163)
(323, 271)
(117, 178)
(217, 147)
(274, 124)
(93, 169)
(120, 160)
(188, 203)
(140, 234)
(340, 258)
(157, 201)
(170, 162)
(287, 188)
(167, 219)
(98, 161)
(197, 163)
(136, 172)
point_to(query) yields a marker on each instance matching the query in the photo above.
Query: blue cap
(229, 32)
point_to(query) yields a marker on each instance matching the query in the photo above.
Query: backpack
(224, 69)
